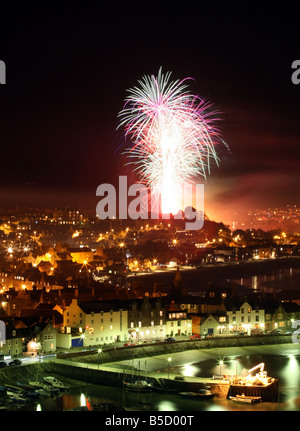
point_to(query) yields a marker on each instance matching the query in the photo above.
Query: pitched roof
(98, 306)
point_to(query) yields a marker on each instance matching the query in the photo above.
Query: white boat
(138, 386)
(202, 394)
(16, 398)
(245, 399)
(43, 387)
(54, 382)
(36, 384)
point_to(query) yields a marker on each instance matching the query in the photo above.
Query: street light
(169, 361)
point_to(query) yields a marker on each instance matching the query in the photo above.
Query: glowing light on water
(167, 406)
(214, 407)
(290, 374)
(82, 400)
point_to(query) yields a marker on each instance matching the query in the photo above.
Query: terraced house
(146, 319)
(93, 323)
(245, 316)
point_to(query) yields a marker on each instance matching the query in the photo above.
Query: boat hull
(196, 396)
(245, 399)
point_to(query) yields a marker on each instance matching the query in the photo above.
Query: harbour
(281, 361)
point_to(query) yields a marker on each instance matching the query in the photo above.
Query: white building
(96, 323)
(245, 317)
(178, 322)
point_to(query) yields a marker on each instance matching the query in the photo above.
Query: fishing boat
(16, 398)
(28, 390)
(138, 386)
(43, 388)
(245, 399)
(54, 382)
(202, 394)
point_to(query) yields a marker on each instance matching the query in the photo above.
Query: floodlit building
(245, 317)
(94, 323)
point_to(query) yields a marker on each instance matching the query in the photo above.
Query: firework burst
(172, 136)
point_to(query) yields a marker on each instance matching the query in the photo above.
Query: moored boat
(54, 382)
(16, 398)
(44, 388)
(138, 386)
(202, 394)
(245, 399)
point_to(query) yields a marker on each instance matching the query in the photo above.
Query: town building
(94, 323)
(146, 319)
(178, 323)
(245, 316)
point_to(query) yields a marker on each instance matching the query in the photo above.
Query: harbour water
(279, 279)
(266, 275)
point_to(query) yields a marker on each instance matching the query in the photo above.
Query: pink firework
(172, 136)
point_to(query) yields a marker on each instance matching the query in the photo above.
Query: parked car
(192, 337)
(15, 363)
(170, 339)
(128, 344)
(210, 336)
(5, 357)
(3, 364)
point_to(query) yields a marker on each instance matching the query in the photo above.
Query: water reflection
(280, 279)
(82, 400)
(290, 374)
(166, 406)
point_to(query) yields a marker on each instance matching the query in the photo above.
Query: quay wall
(115, 378)
(144, 351)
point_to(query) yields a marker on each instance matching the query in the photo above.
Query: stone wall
(144, 351)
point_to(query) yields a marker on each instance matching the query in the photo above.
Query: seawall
(144, 351)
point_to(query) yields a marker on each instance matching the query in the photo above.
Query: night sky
(68, 68)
